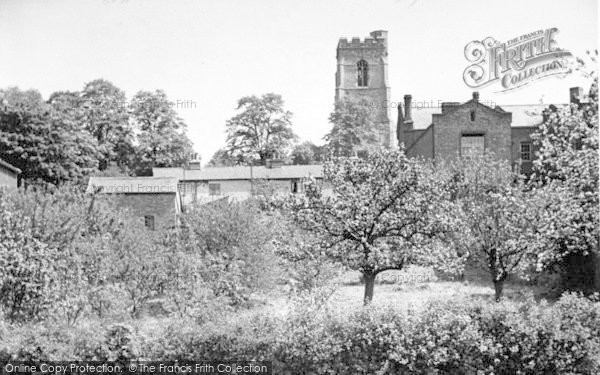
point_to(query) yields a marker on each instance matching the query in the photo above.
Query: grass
(410, 289)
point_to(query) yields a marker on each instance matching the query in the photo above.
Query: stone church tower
(362, 72)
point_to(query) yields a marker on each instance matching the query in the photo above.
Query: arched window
(363, 73)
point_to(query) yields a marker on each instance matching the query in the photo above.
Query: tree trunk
(498, 286)
(596, 262)
(369, 286)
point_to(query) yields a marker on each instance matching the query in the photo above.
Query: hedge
(444, 338)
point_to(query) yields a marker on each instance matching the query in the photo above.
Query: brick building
(156, 201)
(435, 131)
(9, 175)
(362, 72)
(457, 129)
(199, 186)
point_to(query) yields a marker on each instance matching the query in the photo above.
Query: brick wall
(494, 125)
(518, 136)
(161, 206)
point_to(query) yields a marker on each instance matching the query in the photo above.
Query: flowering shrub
(445, 338)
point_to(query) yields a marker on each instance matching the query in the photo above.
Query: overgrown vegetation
(447, 338)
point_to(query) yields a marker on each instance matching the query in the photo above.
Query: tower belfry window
(363, 73)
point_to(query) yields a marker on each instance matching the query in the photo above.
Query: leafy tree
(354, 130)
(105, 116)
(74, 149)
(162, 139)
(137, 259)
(222, 158)
(45, 140)
(507, 227)
(381, 213)
(568, 160)
(261, 130)
(233, 242)
(54, 252)
(307, 153)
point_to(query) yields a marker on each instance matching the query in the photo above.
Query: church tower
(362, 73)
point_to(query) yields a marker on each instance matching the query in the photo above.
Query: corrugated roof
(241, 172)
(10, 166)
(133, 185)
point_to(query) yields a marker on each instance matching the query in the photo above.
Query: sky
(207, 54)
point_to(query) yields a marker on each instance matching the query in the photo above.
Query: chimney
(273, 163)
(476, 96)
(576, 95)
(400, 127)
(195, 162)
(407, 112)
(545, 115)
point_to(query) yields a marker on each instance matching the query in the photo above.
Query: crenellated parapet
(377, 39)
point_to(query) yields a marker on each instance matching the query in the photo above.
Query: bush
(28, 268)
(446, 338)
(233, 242)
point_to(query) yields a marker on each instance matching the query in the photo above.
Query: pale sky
(214, 52)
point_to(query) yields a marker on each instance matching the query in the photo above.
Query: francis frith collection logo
(517, 62)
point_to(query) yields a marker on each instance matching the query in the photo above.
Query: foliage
(45, 140)
(137, 260)
(307, 153)
(59, 230)
(187, 294)
(161, 134)
(305, 268)
(26, 268)
(380, 214)
(507, 227)
(75, 134)
(223, 158)
(568, 160)
(75, 254)
(105, 116)
(234, 242)
(444, 337)
(354, 128)
(261, 130)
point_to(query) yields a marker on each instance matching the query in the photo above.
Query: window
(214, 189)
(295, 188)
(525, 151)
(149, 222)
(472, 115)
(363, 73)
(472, 145)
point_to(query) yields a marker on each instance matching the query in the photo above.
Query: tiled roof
(422, 116)
(241, 172)
(9, 166)
(133, 185)
(526, 114)
(522, 114)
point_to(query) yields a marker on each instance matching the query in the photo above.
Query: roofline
(246, 178)
(138, 192)
(10, 166)
(526, 126)
(419, 138)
